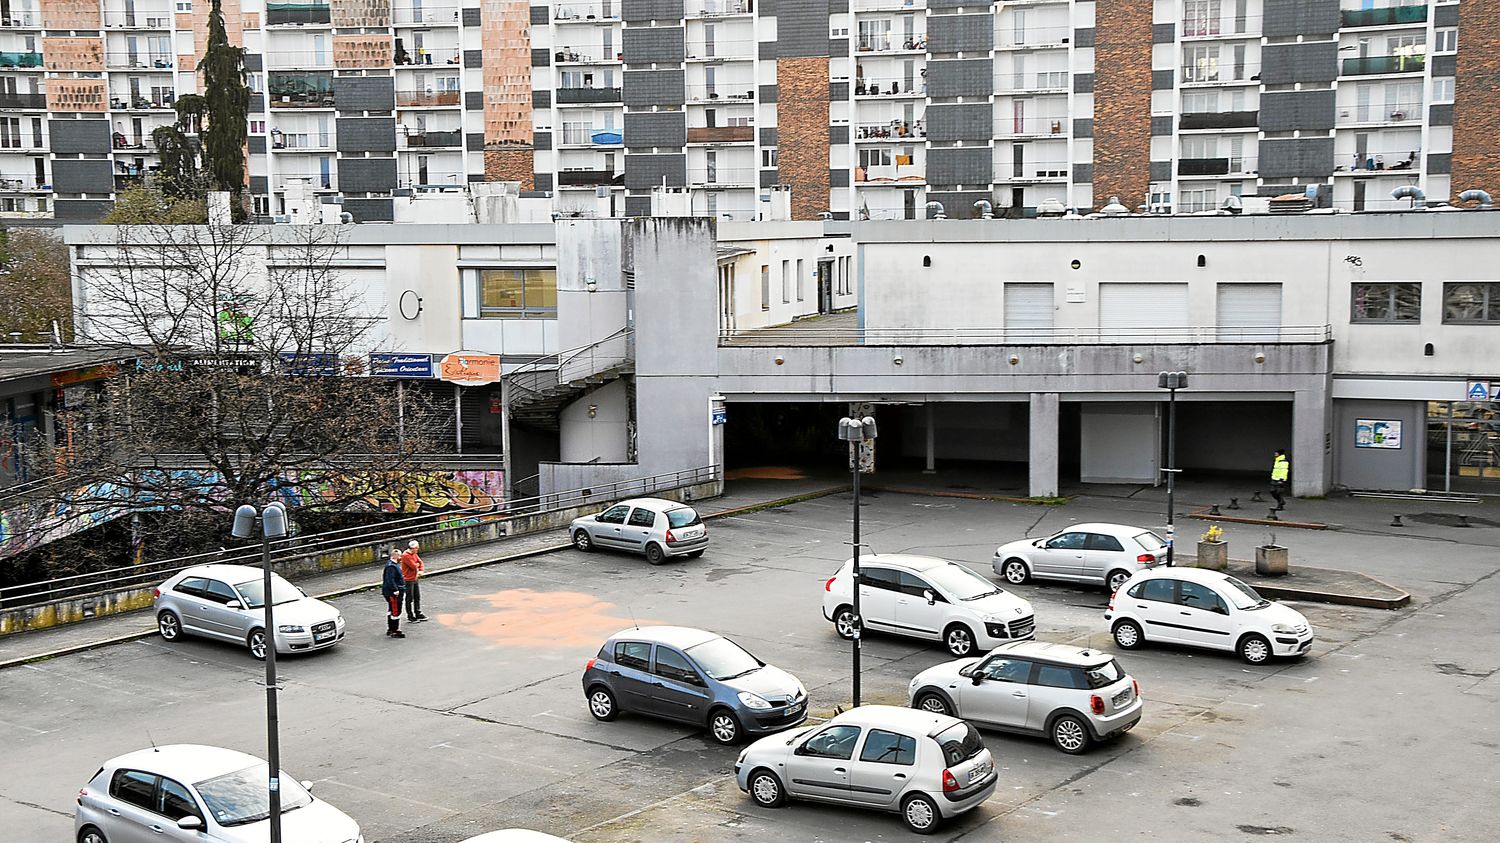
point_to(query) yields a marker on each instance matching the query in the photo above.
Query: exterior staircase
(539, 389)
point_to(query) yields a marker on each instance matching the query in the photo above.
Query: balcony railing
(892, 42)
(1390, 112)
(1402, 160)
(894, 130)
(21, 19)
(154, 19)
(588, 95)
(589, 136)
(1034, 37)
(302, 13)
(723, 176)
(718, 8)
(15, 58)
(22, 184)
(435, 139)
(1055, 80)
(1371, 65)
(23, 101)
(1209, 71)
(294, 90)
(1034, 171)
(588, 178)
(1032, 126)
(433, 179)
(720, 134)
(427, 57)
(1203, 166)
(1219, 120)
(568, 55)
(877, 86)
(310, 141)
(415, 14)
(721, 48)
(139, 61)
(419, 99)
(726, 92)
(1384, 17)
(817, 334)
(584, 12)
(158, 101)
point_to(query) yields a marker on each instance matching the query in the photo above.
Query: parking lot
(477, 721)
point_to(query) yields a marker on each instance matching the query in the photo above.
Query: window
(1053, 676)
(915, 586)
(517, 293)
(682, 516)
(642, 517)
(1442, 89)
(1007, 670)
(1445, 41)
(1104, 675)
(1200, 63)
(801, 282)
(723, 659)
(184, 6)
(880, 578)
(613, 515)
(882, 747)
(633, 654)
(1196, 596)
(134, 787)
(176, 802)
(959, 742)
(786, 282)
(1200, 17)
(1098, 541)
(1161, 590)
(219, 592)
(1387, 303)
(765, 287)
(1069, 541)
(876, 157)
(1471, 302)
(1200, 199)
(834, 742)
(1150, 541)
(240, 797)
(1200, 146)
(257, 127)
(194, 586)
(768, 157)
(1200, 102)
(673, 665)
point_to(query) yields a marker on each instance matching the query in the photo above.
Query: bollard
(1272, 515)
(1396, 521)
(1213, 509)
(1256, 498)
(1234, 503)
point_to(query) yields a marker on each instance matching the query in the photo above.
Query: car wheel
(1255, 649)
(959, 640)
(89, 834)
(1015, 572)
(654, 554)
(920, 813)
(724, 727)
(766, 789)
(1115, 580)
(583, 541)
(257, 643)
(845, 622)
(934, 703)
(169, 626)
(1069, 734)
(602, 704)
(1128, 635)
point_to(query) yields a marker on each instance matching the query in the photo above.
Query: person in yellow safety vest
(1280, 468)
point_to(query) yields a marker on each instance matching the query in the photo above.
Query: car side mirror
(190, 823)
(234, 604)
(307, 785)
(977, 677)
(931, 598)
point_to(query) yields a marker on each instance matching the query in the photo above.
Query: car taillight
(1137, 686)
(590, 665)
(670, 538)
(1096, 703)
(82, 793)
(155, 593)
(1111, 606)
(828, 586)
(1145, 557)
(950, 784)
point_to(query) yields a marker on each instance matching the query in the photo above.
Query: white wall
(602, 436)
(772, 243)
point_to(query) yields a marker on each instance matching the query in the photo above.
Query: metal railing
(792, 336)
(146, 575)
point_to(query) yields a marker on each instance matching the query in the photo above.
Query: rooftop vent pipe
(935, 211)
(1409, 191)
(1114, 208)
(1482, 195)
(985, 209)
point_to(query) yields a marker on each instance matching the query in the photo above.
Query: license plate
(693, 533)
(1122, 697)
(323, 636)
(978, 773)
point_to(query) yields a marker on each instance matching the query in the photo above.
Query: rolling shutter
(1256, 307)
(1029, 306)
(1147, 307)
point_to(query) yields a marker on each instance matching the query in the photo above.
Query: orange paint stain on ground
(523, 617)
(766, 472)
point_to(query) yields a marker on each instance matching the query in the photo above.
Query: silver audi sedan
(227, 602)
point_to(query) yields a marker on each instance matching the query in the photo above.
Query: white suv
(1204, 608)
(926, 597)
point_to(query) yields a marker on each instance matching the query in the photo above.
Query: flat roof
(25, 361)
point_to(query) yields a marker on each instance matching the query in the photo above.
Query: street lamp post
(272, 525)
(1171, 381)
(856, 432)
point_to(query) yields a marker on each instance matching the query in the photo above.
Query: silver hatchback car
(658, 528)
(227, 602)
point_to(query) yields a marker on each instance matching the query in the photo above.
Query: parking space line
(382, 793)
(644, 808)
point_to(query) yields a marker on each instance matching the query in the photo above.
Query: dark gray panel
(541, 141)
(960, 78)
(802, 29)
(1440, 163)
(1283, 64)
(1083, 173)
(838, 7)
(254, 63)
(539, 14)
(364, 93)
(1284, 158)
(1444, 65)
(1083, 37)
(257, 104)
(1299, 17)
(1440, 115)
(643, 172)
(637, 11)
(80, 210)
(768, 136)
(838, 177)
(69, 137)
(474, 101)
(1286, 111)
(647, 44)
(474, 142)
(471, 17)
(768, 177)
(371, 210)
(256, 144)
(960, 205)
(542, 181)
(471, 178)
(1083, 83)
(838, 47)
(366, 134)
(540, 57)
(1161, 125)
(539, 99)
(1161, 171)
(959, 121)
(1445, 15)
(260, 185)
(768, 93)
(72, 175)
(653, 87)
(838, 134)
(766, 50)
(645, 129)
(367, 175)
(1083, 127)
(838, 91)
(473, 58)
(1163, 33)
(640, 206)
(1161, 80)
(959, 33)
(960, 165)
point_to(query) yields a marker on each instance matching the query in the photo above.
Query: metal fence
(810, 334)
(133, 577)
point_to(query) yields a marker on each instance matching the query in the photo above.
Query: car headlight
(801, 690)
(750, 700)
(1284, 628)
(741, 760)
(290, 627)
(993, 619)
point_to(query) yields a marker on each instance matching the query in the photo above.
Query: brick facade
(802, 133)
(1122, 101)
(71, 14)
(505, 35)
(516, 164)
(1476, 103)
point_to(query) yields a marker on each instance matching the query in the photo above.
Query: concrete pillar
(1310, 449)
(931, 424)
(866, 450)
(1043, 444)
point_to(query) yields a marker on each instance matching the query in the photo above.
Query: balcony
(588, 178)
(588, 95)
(1374, 65)
(419, 13)
(568, 55)
(575, 135)
(1394, 161)
(433, 180)
(885, 87)
(138, 61)
(1220, 120)
(721, 93)
(21, 19)
(1390, 112)
(1034, 171)
(720, 49)
(1056, 81)
(895, 130)
(720, 134)
(298, 14)
(159, 100)
(1203, 166)
(132, 19)
(892, 43)
(20, 184)
(607, 11)
(429, 140)
(1392, 16)
(301, 141)
(1032, 127)
(718, 8)
(1211, 72)
(450, 56)
(723, 177)
(28, 102)
(17, 59)
(301, 90)
(426, 99)
(1034, 38)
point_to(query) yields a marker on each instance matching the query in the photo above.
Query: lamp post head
(1172, 380)
(857, 430)
(244, 522)
(273, 521)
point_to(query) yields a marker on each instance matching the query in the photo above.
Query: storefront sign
(396, 365)
(1480, 391)
(1373, 433)
(321, 363)
(470, 369)
(719, 416)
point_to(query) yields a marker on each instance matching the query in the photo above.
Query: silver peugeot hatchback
(658, 528)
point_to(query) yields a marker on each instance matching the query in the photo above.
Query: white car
(203, 794)
(1099, 554)
(928, 767)
(659, 528)
(926, 597)
(227, 602)
(1204, 608)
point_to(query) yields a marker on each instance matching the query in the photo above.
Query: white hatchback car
(928, 767)
(926, 597)
(656, 527)
(1099, 554)
(1204, 608)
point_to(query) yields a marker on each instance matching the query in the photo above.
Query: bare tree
(34, 290)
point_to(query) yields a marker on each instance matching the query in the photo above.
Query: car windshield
(723, 659)
(1104, 675)
(960, 742)
(959, 582)
(683, 516)
(240, 797)
(1244, 596)
(255, 595)
(1150, 541)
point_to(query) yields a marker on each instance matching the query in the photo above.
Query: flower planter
(1213, 555)
(1270, 560)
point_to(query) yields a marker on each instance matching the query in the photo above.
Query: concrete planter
(1270, 560)
(1213, 555)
